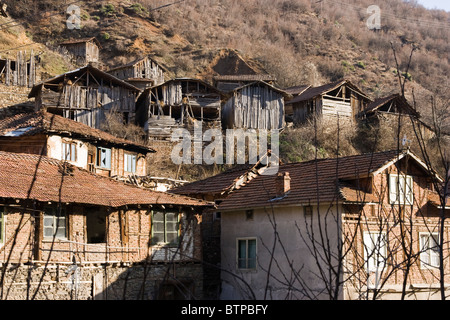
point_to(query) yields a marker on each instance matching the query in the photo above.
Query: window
(165, 228)
(429, 250)
(130, 162)
(69, 151)
(2, 225)
(307, 210)
(375, 251)
(54, 223)
(96, 225)
(400, 189)
(246, 253)
(248, 215)
(104, 158)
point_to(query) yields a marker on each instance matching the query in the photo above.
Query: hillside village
(92, 205)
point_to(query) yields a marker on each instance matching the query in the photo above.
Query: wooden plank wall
(19, 72)
(257, 107)
(145, 69)
(89, 104)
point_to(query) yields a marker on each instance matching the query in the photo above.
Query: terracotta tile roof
(311, 182)
(216, 185)
(25, 176)
(48, 123)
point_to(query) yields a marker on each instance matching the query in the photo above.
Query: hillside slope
(297, 41)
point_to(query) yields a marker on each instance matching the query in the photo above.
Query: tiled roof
(25, 176)
(45, 122)
(311, 182)
(215, 185)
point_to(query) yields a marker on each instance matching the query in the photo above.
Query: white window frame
(51, 214)
(375, 250)
(429, 257)
(247, 259)
(108, 155)
(166, 230)
(127, 165)
(69, 151)
(401, 189)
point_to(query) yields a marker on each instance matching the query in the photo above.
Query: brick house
(66, 233)
(340, 228)
(44, 133)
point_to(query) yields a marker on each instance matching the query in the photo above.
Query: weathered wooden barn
(257, 105)
(84, 50)
(142, 73)
(19, 72)
(340, 98)
(177, 103)
(394, 104)
(86, 95)
(395, 111)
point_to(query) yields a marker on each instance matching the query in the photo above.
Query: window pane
(251, 254)
(73, 152)
(242, 249)
(104, 158)
(48, 232)
(158, 216)
(48, 221)
(157, 237)
(252, 249)
(158, 227)
(172, 238)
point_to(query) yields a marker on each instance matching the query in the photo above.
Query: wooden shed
(19, 72)
(84, 50)
(340, 98)
(394, 103)
(85, 95)
(142, 73)
(257, 105)
(177, 102)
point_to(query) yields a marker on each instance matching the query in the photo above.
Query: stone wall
(98, 281)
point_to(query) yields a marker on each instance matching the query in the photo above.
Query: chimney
(282, 184)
